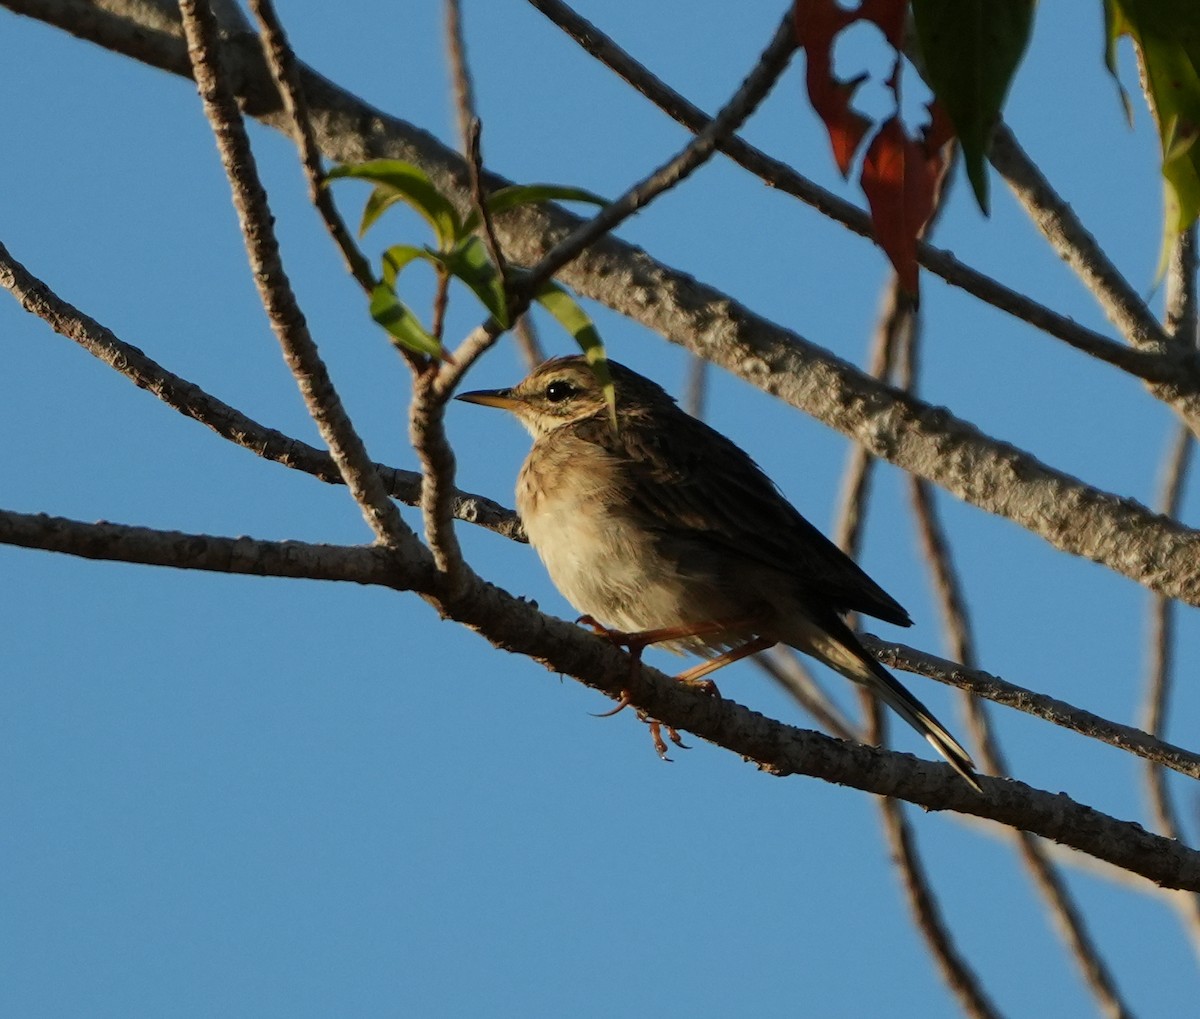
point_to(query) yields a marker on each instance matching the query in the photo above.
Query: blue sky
(237, 796)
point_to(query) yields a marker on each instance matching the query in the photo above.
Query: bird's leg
(751, 647)
(637, 642)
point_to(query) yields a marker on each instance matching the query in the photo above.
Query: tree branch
(287, 321)
(1058, 223)
(1062, 906)
(1050, 709)
(283, 67)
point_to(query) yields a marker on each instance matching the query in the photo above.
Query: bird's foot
(657, 729)
(635, 644)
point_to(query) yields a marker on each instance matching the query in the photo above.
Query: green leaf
(971, 49)
(470, 262)
(397, 181)
(531, 194)
(1167, 35)
(575, 320)
(403, 326)
(400, 255)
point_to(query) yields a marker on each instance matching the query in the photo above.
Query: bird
(661, 530)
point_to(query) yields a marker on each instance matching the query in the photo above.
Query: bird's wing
(682, 473)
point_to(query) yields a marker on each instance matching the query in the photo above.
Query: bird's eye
(560, 390)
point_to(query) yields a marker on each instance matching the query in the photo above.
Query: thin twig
(1182, 318)
(460, 74)
(1149, 366)
(1159, 674)
(470, 130)
(1049, 709)
(698, 151)
(894, 319)
(475, 165)
(441, 298)
(287, 321)
(794, 677)
(960, 977)
(281, 61)
(1181, 321)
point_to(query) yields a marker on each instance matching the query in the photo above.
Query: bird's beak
(502, 398)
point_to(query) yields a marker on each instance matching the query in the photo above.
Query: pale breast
(604, 562)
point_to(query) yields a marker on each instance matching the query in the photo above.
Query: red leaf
(899, 174)
(889, 16)
(899, 178)
(817, 23)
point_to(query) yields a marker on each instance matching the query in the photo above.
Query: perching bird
(665, 525)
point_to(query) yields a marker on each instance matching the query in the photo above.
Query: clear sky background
(247, 797)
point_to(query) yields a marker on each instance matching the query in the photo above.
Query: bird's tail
(842, 651)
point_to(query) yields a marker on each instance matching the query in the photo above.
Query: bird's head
(565, 390)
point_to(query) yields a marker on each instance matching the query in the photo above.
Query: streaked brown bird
(667, 531)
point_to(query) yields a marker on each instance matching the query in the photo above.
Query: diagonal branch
(1050, 709)
(1061, 227)
(698, 151)
(287, 321)
(283, 67)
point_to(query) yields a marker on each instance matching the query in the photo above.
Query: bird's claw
(660, 745)
(622, 704)
(635, 644)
